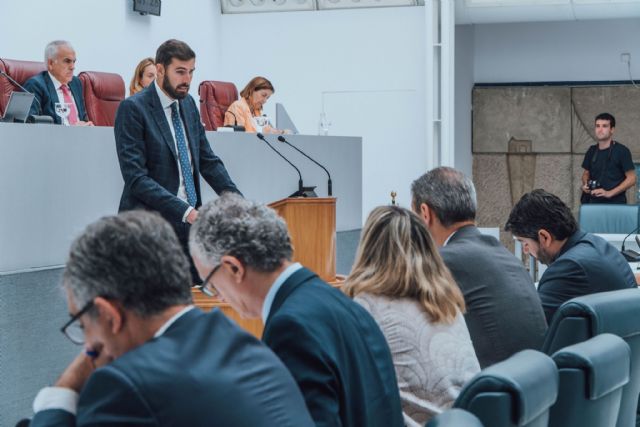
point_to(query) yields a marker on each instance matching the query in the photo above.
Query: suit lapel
(76, 92)
(291, 284)
(161, 119)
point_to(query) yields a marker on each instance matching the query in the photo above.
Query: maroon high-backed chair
(20, 71)
(215, 98)
(102, 93)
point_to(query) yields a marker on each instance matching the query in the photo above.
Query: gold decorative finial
(393, 198)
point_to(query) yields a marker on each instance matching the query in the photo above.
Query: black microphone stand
(302, 190)
(329, 183)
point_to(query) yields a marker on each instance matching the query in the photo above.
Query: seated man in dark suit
(151, 358)
(58, 84)
(579, 263)
(504, 314)
(331, 345)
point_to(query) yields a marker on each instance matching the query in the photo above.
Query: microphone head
(281, 138)
(259, 135)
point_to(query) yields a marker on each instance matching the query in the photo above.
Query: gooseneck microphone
(329, 183)
(629, 254)
(8, 77)
(300, 185)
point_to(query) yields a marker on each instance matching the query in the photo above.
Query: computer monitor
(283, 121)
(18, 107)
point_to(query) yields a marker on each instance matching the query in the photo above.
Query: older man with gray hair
(331, 345)
(504, 313)
(58, 85)
(150, 357)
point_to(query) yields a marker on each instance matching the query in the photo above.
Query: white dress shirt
(166, 102)
(58, 85)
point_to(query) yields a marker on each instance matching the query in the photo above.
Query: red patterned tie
(73, 115)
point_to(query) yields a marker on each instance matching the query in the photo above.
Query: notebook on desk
(18, 107)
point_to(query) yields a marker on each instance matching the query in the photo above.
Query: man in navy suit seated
(331, 345)
(150, 357)
(579, 263)
(58, 85)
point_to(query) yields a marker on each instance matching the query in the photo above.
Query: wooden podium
(312, 227)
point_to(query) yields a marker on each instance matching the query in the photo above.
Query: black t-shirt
(608, 167)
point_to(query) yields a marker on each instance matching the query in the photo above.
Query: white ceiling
(497, 11)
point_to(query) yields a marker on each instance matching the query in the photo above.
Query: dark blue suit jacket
(336, 352)
(148, 158)
(46, 96)
(586, 264)
(203, 371)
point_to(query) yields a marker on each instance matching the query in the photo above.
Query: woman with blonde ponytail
(400, 278)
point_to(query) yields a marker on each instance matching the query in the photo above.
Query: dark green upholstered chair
(615, 312)
(611, 219)
(455, 418)
(516, 392)
(592, 374)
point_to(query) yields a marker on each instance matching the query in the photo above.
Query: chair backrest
(455, 418)
(20, 71)
(215, 98)
(609, 219)
(592, 374)
(516, 392)
(102, 93)
(615, 312)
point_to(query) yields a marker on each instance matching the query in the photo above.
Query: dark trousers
(182, 231)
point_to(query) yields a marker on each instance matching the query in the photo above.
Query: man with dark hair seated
(504, 314)
(579, 263)
(151, 358)
(331, 345)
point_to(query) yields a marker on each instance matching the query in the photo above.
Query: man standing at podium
(162, 146)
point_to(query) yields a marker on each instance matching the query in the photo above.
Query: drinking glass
(63, 110)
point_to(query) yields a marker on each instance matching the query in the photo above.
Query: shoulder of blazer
(288, 287)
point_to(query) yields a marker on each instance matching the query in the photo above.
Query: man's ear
(159, 70)
(234, 267)
(425, 213)
(110, 314)
(545, 238)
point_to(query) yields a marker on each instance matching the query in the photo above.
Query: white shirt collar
(165, 101)
(449, 238)
(171, 321)
(56, 83)
(273, 290)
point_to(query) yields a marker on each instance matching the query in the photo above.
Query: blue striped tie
(183, 156)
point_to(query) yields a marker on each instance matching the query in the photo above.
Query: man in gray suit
(579, 263)
(151, 358)
(504, 314)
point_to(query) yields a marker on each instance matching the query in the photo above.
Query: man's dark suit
(148, 159)
(504, 314)
(586, 264)
(336, 352)
(42, 87)
(203, 371)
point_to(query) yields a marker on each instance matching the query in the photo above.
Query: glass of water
(260, 122)
(63, 110)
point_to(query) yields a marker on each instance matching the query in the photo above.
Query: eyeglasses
(73, 328)
(207, 286)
